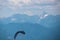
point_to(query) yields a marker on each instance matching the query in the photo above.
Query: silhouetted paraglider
(22, 32)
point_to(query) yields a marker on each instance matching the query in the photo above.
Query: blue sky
(29, 7)
(41, 8)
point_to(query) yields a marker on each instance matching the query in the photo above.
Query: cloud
(29, 13)
(45, 15)
(44, 1)
(18, 2)
(13, 19)
(53, 10)
(29, 7)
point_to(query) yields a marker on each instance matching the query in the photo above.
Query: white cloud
(43, 1)
(29, 13)
(2, 15)
(43, 16)
(52, 10)
(13, 19)
(27, 1)
(19, 2)
(18, 6)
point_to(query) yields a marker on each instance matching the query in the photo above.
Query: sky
(29, 7)
(41, 8)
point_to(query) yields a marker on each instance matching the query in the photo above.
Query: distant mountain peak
(22, 18)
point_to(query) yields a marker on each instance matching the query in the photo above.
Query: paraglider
(22, 32)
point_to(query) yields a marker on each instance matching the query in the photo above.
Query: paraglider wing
(22, 32)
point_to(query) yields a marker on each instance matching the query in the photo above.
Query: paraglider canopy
(22, 32)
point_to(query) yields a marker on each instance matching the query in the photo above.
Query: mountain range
(47, 28)
(22, 18)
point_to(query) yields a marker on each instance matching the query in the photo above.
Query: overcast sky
(29, 7)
